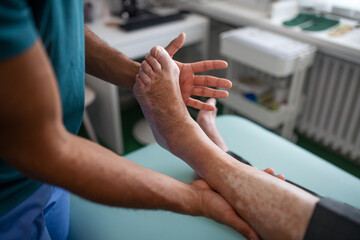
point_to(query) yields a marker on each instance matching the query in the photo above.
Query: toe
(145, 66)
(155, 51)
(161, 56)
(206, 115)
(211, 101)
(153, 63)
(144, 77)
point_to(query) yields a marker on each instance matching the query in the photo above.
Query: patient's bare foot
(206, 120)
(158, 92)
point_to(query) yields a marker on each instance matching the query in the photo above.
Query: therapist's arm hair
(34, 140)
(107, 63)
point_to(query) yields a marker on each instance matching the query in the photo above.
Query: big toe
(206, 116)
(161, 55)
(211, 101)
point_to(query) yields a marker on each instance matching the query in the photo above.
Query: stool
(89, 99)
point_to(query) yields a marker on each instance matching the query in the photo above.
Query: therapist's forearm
(107, 63)
(34, 141)
(95, 173)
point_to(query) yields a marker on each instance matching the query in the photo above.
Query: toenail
(157, 50)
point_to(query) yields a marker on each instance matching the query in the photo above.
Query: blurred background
(294, 64)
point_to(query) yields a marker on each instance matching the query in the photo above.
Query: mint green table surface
(257, 145)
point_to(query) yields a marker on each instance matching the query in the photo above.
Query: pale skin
(34, 140)
(274, 208)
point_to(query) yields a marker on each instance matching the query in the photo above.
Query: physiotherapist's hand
(214, 206)
(272, 172)
(198, 85)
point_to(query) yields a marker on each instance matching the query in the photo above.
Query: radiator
(331, 114)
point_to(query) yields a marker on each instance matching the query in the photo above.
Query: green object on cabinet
(321, 24)
(300, 19)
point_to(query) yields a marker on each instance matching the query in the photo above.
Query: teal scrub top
(59, 24)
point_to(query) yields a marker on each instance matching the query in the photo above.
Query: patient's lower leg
(250, 205)
(206, 120)
(276, 209)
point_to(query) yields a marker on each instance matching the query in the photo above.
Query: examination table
(257, 145)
